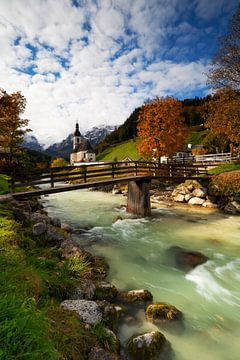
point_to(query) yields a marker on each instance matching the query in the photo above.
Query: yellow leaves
(161, 127)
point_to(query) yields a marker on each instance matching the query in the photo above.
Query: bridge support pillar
(138, 201)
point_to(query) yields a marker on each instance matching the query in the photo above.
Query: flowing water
(208, 296)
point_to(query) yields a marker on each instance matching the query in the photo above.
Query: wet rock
(200, 192)
(158, 313)
(98, 353)
(112, 314)
(88, 311)
(100, 267)
(149, 346)
(54, 236)
(196, 201)
(186, 259)
(135, 296)
(236, 205)
(39, 217)
(105, 291)
(131, 320)
(230, 208)
(116, 190)
(55, 222)
(66, 228)
(39, 228)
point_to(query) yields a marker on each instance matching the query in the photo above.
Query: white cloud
(106, 78)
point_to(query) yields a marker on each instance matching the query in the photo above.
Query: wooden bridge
(138, 175)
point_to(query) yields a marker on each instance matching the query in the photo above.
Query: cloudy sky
(96, 60)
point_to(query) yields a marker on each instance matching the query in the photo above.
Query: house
(82, 149)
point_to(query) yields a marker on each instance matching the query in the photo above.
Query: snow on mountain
(31, 142)
(64, 148)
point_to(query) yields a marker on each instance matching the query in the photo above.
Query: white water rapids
(208, 296)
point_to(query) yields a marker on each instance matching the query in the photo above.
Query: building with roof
(82, 149)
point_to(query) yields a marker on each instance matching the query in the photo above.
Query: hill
(119, 151)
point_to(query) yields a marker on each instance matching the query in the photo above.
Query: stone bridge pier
(138, 201)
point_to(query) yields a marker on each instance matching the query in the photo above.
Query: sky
(95, 61)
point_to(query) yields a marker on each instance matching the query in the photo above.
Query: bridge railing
(109, 170)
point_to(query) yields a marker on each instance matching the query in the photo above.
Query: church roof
(84, 145)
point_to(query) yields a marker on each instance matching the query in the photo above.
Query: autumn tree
(222, 114)
(161, 128)
(225, 70)
(12, 126)
(59, 162)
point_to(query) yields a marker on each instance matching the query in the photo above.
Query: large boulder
(196, 201)
(179, 198)
(88, 311)
(159, 313)
(39, 228)
(149, 346)
(135, 296)
(186, 259)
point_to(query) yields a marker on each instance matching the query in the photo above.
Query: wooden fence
(110, 170)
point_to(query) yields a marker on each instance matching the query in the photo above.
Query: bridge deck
(58, 189)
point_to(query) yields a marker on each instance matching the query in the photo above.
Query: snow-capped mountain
(31, 142)
(64, 148)
(98, 134)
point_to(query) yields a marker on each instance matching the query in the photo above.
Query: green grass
(196, 137)
(224, 168)
(3, 184)
(33, 282)
(120, 151)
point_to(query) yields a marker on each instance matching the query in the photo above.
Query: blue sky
(96, 60)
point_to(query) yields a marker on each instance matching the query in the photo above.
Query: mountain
(64, 148)
(31, 142)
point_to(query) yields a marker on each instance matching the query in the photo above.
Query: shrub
(226, 184)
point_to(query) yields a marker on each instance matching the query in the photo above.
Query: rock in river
(149, 346)
(159, 312)
(186, 259)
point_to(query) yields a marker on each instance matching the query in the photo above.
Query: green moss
(162, 312)
(140, 348)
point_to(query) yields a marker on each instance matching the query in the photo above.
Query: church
(82, 149)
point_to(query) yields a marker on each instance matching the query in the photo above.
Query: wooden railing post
(136, 169)
(85, 173)
(113, 167)
(52, 177)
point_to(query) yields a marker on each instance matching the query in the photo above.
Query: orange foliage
(200, 151)
(226, 184)
(222, 115)
(161, 127)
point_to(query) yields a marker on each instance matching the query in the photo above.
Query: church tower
(76, 136)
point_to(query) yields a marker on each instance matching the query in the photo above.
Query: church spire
(77, 132)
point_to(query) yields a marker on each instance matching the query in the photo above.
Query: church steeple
(76, 136)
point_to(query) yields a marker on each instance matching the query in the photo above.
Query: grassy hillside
(120, 151)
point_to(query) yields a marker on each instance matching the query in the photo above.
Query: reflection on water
(209, 295)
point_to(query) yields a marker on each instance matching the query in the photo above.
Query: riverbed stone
(209, 204)
(88, 311)
(149, 346)
(161, 312)
(39, 217)
(70, 249)
(230, 209)
(135, 296)
(39, 228)
(55, 222)
(98, 353)
(112, 313)
(66, 227)
(54, 236)
(200, 192)
(187, 197)
(105, 291)
(186, 259)
(196, 201)
(179, 198)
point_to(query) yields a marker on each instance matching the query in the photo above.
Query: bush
(226, 184)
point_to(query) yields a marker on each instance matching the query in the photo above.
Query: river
(208, 296)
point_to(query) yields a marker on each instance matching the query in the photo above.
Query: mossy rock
(100, 267)
(186, 259)
(135, 296)
(149, 346)
(160, 312)
(112, 314)
(105, 291)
